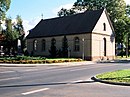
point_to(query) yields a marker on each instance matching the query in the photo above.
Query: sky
(31, 10)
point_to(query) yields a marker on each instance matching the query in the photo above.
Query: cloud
(66, 6)
(26, 24)
(127, 1)
(30, 24)
(33, 22)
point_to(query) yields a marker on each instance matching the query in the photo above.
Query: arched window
(43, 45)
(35, 45)
(104, 26)
(105, 46)
(76, 44)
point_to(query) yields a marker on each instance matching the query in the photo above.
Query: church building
(90, 35)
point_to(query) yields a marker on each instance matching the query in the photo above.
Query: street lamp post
(83, 49)
(0, 26)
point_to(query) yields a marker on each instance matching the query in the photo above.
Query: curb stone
(53, 64)
(115, 61)
(108, 82)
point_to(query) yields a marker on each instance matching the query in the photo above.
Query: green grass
(61, 59)
(124, 57)
(31, 60)
(116, 76)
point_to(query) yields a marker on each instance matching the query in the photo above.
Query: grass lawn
(61, 59)
(116, 76)
(123, 58)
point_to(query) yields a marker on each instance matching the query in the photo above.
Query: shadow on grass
(46, 84)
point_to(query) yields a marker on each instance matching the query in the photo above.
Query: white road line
(7, 71)
(30, 70)
(77, 81)
(78, 69)
(12, 78)
(35, 91)
(99, 66)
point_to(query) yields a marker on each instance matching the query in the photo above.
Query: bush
(34, 60)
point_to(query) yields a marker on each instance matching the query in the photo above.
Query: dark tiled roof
(67, 25)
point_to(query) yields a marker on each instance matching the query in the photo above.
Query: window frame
(105, 46)
(35, 44)
(43, 45)
(76, 44)
(104, 26)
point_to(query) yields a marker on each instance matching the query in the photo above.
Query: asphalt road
(58, 81)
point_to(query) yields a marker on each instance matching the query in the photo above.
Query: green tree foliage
(9, 29)
(128, 10)
(120, 26)
(4, 6)
(11, 38)
(115, 8)
(20, 30)
(65, 12)
(65, 47)
(13, 32)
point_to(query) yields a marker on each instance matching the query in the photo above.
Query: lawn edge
(108, 82)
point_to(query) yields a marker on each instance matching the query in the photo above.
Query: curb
(115, 61)
(108, 82)
(53, 64)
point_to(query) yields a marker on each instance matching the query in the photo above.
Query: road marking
(99, 66)
(77, 81)
(35, 91)
(7, 71)
(78, 69)
(30, 70)
(9, 78)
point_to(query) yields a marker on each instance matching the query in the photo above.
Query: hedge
(34, 60)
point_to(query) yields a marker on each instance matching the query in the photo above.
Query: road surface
(60, 81)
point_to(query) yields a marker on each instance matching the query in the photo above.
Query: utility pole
(83, 49)
(0, 26)
(128, 44)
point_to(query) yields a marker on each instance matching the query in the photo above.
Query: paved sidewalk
(52, 64)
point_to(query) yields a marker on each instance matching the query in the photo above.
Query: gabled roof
(66, 25)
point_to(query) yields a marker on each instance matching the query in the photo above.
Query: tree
(8, 35)
(128, 10)
(65, 12)
(115, 8)
(4, 6)
(11, 37)
(53, 51)
(20, 30)
(65, 47)
(13, 32)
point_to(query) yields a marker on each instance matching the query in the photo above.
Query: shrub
(34, 60)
